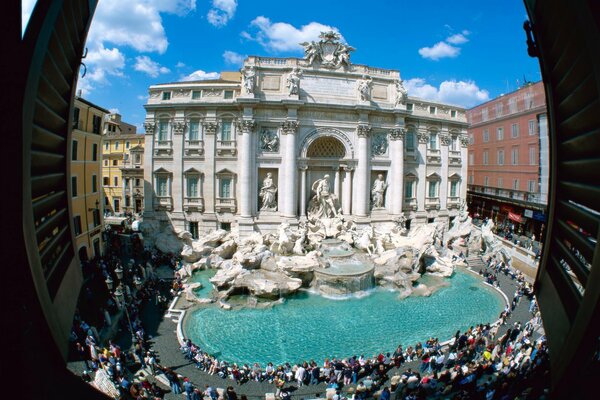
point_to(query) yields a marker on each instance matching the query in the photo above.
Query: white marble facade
(211, 145)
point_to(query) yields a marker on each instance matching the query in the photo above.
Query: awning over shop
(515, 217)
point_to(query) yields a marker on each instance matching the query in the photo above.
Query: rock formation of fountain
(327, 254)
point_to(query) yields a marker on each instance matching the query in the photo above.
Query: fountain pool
(308, 326)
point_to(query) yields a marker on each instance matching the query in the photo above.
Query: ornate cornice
(363, 130)
(289, 127)
(423, 137)
(245, 125)
(397, 133)
(210, 128)
(178, 127)
(445, 139)
(464, 140)
(149, 127)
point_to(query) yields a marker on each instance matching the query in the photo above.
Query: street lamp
(121, 299)
(119, 272)
(109, 283)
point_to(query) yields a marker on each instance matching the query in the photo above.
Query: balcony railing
(434, 156)
(194, 147)
(453, 202)
(226, 204)
(432, 202)
(163, 147)
(454, 157)
(226, 146)
(410, 204)
(163, 203)
(193, 204)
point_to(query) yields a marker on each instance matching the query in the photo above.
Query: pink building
(508, 159)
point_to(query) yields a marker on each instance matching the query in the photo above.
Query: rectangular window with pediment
(410, 141)
(433, 186)
(194, 133)
(225, 188)
(433, 141)
(163, 131)
(162, 186)
(226, 131)
(453, 188)
(408, 189)
(192, 185)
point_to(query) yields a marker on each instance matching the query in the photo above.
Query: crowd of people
(475, 364)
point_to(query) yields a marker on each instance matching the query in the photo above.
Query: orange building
(508, 159)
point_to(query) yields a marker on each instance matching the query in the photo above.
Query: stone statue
(267, 194)
(312, 51)
(293, 81)
(322, 205)
(378, 192)
(249, 75)
(329, 51)
(364, 88)
(269, 141)
(401, 93)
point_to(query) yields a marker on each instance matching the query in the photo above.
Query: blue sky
(462, 51)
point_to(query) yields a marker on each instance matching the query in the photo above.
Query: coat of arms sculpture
(328, 51)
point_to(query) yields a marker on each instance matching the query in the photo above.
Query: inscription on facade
(379, 92)
(271, 82)
(328, 86)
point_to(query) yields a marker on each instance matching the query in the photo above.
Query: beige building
(85, 171)
(122, 167)
(248, 152)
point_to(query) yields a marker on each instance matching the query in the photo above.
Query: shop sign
(539, 216)
(495, 208)
(528, 213)
(515, 217)
(506, 209)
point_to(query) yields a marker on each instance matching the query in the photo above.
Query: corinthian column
(397, 169)
(362, 171)
(445, 141)
(422, 171)
(246, 127)
(290, 199)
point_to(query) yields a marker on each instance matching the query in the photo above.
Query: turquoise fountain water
(204, 278)
(308, 326)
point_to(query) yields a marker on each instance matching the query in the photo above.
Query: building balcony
(410, 154)
(193, 204)
(432, 203)
(163, 148)
(226, 147)
(194, 147)
(163, 203)
(410, 204)
(434, 156)
(454, 157)
(226, 205)
(453, 202)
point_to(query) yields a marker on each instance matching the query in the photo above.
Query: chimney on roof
(79, 93)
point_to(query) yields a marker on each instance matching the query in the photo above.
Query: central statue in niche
(323, 204)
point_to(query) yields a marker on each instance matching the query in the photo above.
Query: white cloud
(458, 38)
(200, 75)
(143, 97)
(232, 57)
(134, 23)
(221, 12)
(114, 110)
(462, 93)
(149, 67)
(26, 10)
(439, 50)
(179, 64)
(281, 36)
